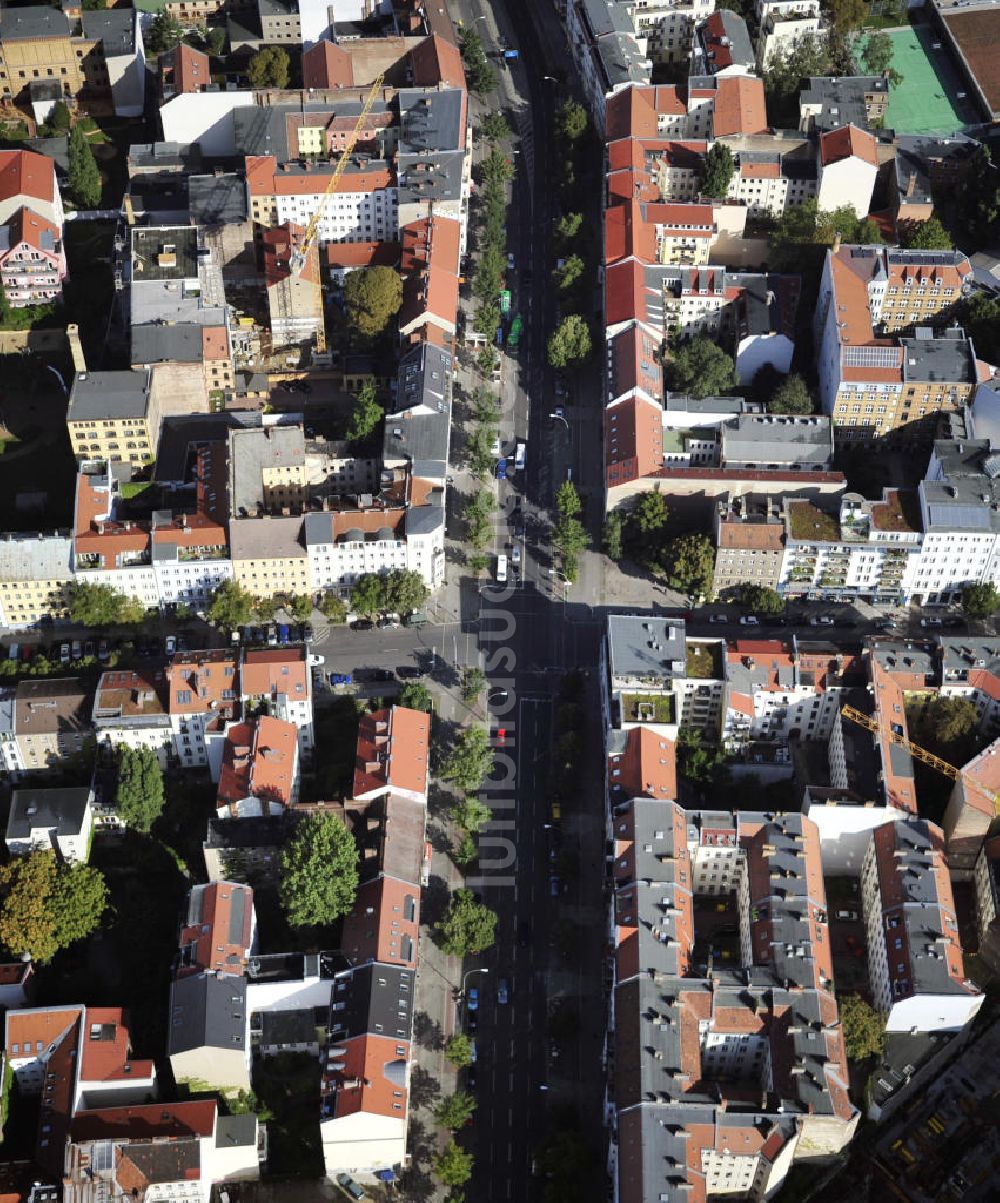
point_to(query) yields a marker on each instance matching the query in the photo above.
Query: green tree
(478, 515)
(477, 70)
(301, 607)
(975, 200)
(568, 503)
(165, 32)
(863, 1028)
(980, 601)
(571, 120)
(319, 871)
(84, 177)
(468, 926)
(455, 1110)
(469, 760)
(264, 609)
(45, 906)
(466, 852)
(944, 721)
(868, 233)
(368, 595)
(980, 315)
(568, 227)
(139, 792)
(231, 606)
(332, 607)
(494, 126)
(367, 413)
(270, 67)
(717, 169)
(404, 590)
(567, 274)
(458, 1051)
(761, 599)
(876, 58)
(372, 298)
(453, 1165)
(93, 605)
(927, 235)
(700, 763)
(471, 815)
(848, 15)
(473, 684)
(569, 342)
(416, 696)
(690, 563)
(611, 536)
(58, 121)
(700, 368)
(786, 68)
(650, 514)
(569, 536)
(77, 903)
(791, 397)
(215, 42)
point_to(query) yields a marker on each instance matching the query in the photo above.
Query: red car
(500, 735)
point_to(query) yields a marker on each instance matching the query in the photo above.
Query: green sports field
(926, 102)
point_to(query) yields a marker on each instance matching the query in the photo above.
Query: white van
(501, 570)
(519, 456)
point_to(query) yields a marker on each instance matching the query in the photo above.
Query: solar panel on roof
(969, 516)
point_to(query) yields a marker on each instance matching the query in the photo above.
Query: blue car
(341, 679)
(283, 633)
(501, 469)
(473, 1003)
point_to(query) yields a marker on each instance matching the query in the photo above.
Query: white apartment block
(187, 582)
(348, 216)
(664, 29)
(782, 24)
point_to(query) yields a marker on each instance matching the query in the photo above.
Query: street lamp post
(466, 977)
(559, 418)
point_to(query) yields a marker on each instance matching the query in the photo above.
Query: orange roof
(384, 924)
(202, 683)
(326, 65)
(434, 241)
(430, 262)
(192, 70)
(647, 767)
(633, 439)
(760, 171)
(107, 1047)
(24, 173)
(258, 761)
(365, 1061)
(392, 751)
(280, 244)
(436, 61)
(157, 1120)
(624, 292)
(28, 1029)
(214, 343)
(269, 672)
(848, 142)
(361, 254)
(626, 232)
(890, 710)
(739, 106)
(264, 179)
(97, 534)
(27, 226)
(753, 536)
(217, 913)
(634, 363)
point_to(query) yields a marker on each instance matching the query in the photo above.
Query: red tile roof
(269, 672)
(258, 761)
(202, 683)
(327, 65)
(26, 226)
(155, 1121)
(24, 173)
(634, 363)
(739, 106)
(624, 292)
(264, 179)
(384, 924)
(361, 254)
(633, 440)
(647, 767)
(437, 61)
(191, 70)
(627, 233)
(846, 142)
(217, 912)
(107, 1048)
(392, 751)
(365, 1061)
(280, 244)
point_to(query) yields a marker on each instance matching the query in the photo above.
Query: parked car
(284, 633)
(821, 620)
(362, 624)
(931, 622)
(306, 632)
(510, 261)
(503, 992)
(103, 651)
(851, 915)
(714, 618)
(340, 679)
(315, 660)
(77, 650)
(170, 645)
(474, 1052)
(64, 654)
(515, 554)
(381, 674)
(347, 1184)
(472, 1002)
(272, 635)
(407, 672)
(749, 620)
(554, 886)
(500, 735)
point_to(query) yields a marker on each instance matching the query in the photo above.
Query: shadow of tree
(425, 1089)
(434, 900)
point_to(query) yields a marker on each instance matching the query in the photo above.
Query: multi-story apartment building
(202, 700)
(827, 102)
(782, 24)
(59, 819)
(28, 180)
(749, 544)
(671, 1138)
(722, 46)
(607, 52)
(259, 774)
(113, 416)
(51, 721)
(277, 681)
(130, 711)
(914, 954)
(32, 260)
(96, 56)
(218, 930)
(393, 755)
(873, 384)
(106, 550)
(36, 573)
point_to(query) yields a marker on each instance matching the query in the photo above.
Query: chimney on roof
(76, 348)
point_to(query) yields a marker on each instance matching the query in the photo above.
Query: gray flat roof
(646, 647)
(259, 538)
(164, 253)
(216, 200)
(253, 450)
(35, 557)
(108, 395)
(430, 120)
(62, 809)
(939, 359)
(114, 26)
(167, 344)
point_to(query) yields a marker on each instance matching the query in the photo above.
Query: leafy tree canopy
(690, 561)
(469, 760)
(45, 906)
(165, 32)
(570, 342)
(93, 605)
(319, 872)
(455, 1110)
(717, 171)
(231, 606)
(372, 296)
(416, 696)
(791, 397)
(458, 1050)
(863, 1027)
(468, 926)
(571, 120)
(270, 67)
(367, 413)
(980, 601)
(700, 368)
(494, 126)
(139, 792)
(927, 235)
(332, 607)
(760, 599)
(453, 1165)
(84, 176)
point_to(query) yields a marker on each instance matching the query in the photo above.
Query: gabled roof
(157, 1120)
(191, 69)
(217, 930)
(633, 440)
(270, 672)
(392, 751)
(739, 106)
(848, 142)
(23, 173)
(384, 924)
(327, 65)
(27, 226)
(436, 61)
(258, 761)
(646, 768)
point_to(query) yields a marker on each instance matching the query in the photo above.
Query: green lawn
(924, 103)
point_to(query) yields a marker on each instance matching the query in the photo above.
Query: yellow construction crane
(298, 259)
(935, 762)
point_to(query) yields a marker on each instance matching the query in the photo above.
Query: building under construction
(294, 298)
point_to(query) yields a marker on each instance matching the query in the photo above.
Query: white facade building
(348, 217)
